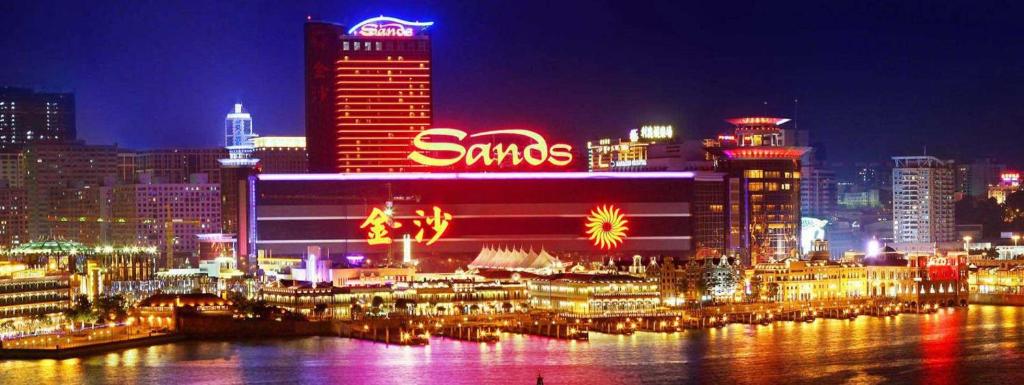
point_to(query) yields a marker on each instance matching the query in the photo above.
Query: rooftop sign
(385, 26)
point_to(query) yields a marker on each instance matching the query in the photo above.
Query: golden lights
(606, 227)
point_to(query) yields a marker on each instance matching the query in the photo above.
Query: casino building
(404, 216)
(368, 93)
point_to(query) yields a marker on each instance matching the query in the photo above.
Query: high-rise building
(763, 210)
(817, 192)
(126, 166)
(12, 168)
(922, 200)
(150, 210)
(27, 116)
(82, 214)
(51, 168)
(238, 134)
(13, 216)
(281, 154)
(178, 165)
(974, 179)
(368, 93)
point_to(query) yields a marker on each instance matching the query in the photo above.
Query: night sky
(872, 79)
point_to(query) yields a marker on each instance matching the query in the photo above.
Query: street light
(1015, 238)
(967, 242)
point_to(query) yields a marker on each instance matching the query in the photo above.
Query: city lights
(590, 194)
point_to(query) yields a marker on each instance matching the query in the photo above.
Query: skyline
(898, 83)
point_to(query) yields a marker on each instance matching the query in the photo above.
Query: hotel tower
(367, 94)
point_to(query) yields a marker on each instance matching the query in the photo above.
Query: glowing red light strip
(379, 61)
(477, 239)
(381, 89)
(381, 76)
(382, 68)
(480, 176)
(473, 216)
(383, 124)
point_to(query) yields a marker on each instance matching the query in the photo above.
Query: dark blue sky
(873, 78)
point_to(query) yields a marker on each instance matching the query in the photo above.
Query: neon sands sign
(384, 26)
(380, 223)
(447, 153)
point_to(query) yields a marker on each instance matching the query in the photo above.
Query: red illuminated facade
(368, 93)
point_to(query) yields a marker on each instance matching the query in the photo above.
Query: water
(979, 345)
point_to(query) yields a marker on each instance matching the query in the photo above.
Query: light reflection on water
(983, 345)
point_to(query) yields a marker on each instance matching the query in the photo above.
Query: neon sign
(380, 223)
(534, 154)
(606, 227)
(384, 26)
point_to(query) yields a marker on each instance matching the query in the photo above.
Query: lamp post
(1015, 238)
(967, 243)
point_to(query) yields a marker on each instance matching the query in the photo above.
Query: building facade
(27, 116)
(922, 200)
(168, 215)
(368, 93)
(281, 154)
(178, 165)
(51, 168)
(385, 216)
(763, 173)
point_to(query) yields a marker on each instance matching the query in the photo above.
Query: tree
(319, 310)
(441, 309)
(80, 311)
(507, 307)
(356, 310)
(985, 212)
(376, 303)
(111, 308)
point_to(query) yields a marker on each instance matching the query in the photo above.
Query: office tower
(27, 116)
(368, 93)
(922, 200)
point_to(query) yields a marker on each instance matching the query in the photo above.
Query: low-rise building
(26, 293)
(595, 295)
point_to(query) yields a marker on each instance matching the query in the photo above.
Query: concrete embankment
(86, 350)
(226, 327)
(997, 299)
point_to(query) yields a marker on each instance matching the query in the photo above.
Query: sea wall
(227, 327)
(997, 299)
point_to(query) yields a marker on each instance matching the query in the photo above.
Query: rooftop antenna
(765, 108)
(796, 114)
(926, 150)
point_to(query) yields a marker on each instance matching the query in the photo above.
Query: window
(344, 46)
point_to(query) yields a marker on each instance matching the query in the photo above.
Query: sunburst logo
(606, 226)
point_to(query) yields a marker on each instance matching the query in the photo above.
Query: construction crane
(169, 222)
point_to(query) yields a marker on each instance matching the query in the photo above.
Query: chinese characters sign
(429, 225)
